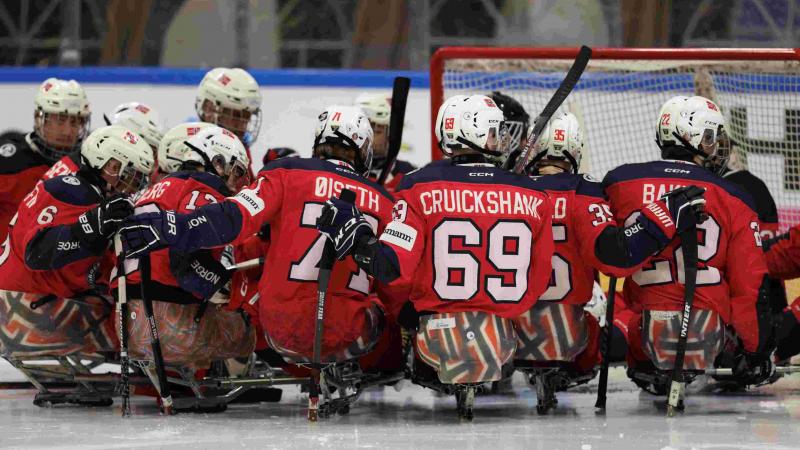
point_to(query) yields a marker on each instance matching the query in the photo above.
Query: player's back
(580, 214)
(731, 266)
(303, 186)
(58, 202)
(487, 239)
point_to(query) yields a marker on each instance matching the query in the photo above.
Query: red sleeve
(745, 270)
(259, 203)
(783, 257)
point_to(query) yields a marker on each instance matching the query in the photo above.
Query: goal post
(619, 95)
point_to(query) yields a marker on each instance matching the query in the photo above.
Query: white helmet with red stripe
(220, 152)
(701, 129)
(230, 98)
(348, 127)
(118, 143)
(140, 118)
(172, 150)
(61, 117)
(561, 143)
(474, 122)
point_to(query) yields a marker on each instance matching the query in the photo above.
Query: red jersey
(41, 255)
(20, 168)
(731, 267)
(182, 192)
(289, 194)
(67, 165)
(471, 238)
(580, 215)
(783, 256)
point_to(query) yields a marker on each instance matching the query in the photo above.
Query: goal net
(619, 95)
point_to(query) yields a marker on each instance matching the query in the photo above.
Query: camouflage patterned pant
(59, 327)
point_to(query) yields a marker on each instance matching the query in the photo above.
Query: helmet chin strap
(206, 162)
(478, 148)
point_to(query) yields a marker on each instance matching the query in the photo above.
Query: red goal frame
(710, 54)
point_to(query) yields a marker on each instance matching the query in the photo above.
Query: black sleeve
(55, 247)
(625, 247)
(766, 338)
(377, 259)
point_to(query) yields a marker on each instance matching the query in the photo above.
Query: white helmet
(445, 123)
(562, 140)
(60, 97)
(172, 150)
(377, 107)
(222, 153)
(236, 101)
(140, 118)
(701, 129)
(476, 123)
(348, 127)
(668, 117)
(127, 147)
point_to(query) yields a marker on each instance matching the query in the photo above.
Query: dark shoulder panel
(317, 164)
(17, 156)
(402, 167)
(675, 170)
(214, 182)
(758, 190)
(73, 190)
(446, 171)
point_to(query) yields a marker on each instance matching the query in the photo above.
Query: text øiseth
(469, 201)
(325, 187)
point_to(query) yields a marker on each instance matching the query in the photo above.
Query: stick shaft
(605, 345)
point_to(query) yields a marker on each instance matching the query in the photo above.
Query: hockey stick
(677, 385)
(122, 317)
(155, 342)
(605, 345)
(249, 264)
(398, 116)
(323, 279)
(573, 75)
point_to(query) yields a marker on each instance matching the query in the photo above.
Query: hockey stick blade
(398, 116)
(569, 82)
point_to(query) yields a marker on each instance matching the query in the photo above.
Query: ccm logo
(677, 171)
(481, 174)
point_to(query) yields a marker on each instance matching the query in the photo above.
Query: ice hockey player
(289, 194)
(137, 117)
(517, 120)
(194, 327)
(54, 266)
(378, 108)
(60, 123)
(470, 241)
(231, 99)
(557, 332)
(731, 274)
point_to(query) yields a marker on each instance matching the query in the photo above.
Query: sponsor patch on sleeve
(250, 200)
(400, 234)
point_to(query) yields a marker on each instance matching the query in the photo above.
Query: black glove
(148, 232)
(199, 273)
(343, 224)
(752, 368)
(95, 227)
(676, 211)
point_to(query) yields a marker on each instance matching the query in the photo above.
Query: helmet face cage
(234, 172)
(54, 145)
(130, 180)
(244, 123)
(514, 131)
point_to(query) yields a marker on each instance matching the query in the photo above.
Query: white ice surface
(415, 418)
